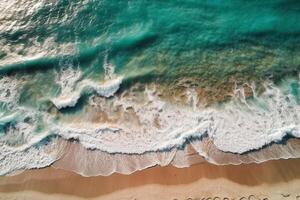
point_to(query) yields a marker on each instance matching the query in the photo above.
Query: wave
(247, 124)
(141, 125)
(22, 146)
(105, 89)
(71, 155)
(95, 163)
(72, 88)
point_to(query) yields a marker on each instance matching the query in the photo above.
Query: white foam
(111, 82)
(109, 69)
(155, 125)
(239, 126)
(4, 119)
(20, 146)
(29, 158)
(9, 87)
(18, 150)
(67, 79)
(20, 132)
(243, 126)
(105, 89)
(65, 101)
(162, 126)
(71, 88)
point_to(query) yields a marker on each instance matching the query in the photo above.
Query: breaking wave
(72, 88)
(141, 127)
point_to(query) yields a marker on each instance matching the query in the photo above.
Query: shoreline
(272, 180)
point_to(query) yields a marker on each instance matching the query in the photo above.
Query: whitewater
(141, 122)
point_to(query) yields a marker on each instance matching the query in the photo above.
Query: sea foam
(67, 79)
(246, 125)
(237, 127)
(72, 88)
(143, 124)
(9, 87)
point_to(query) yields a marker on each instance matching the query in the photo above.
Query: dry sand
(271, 180)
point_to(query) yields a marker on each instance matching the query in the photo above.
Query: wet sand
(270, 180)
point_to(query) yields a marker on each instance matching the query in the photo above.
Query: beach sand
(271, 180)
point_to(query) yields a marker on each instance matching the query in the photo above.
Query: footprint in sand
(252, 197)
(217, 198)
(298, 197)
(285, 195)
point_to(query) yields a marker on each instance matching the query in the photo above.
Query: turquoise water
(161, 39)
(214, 42)
(60, 58)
